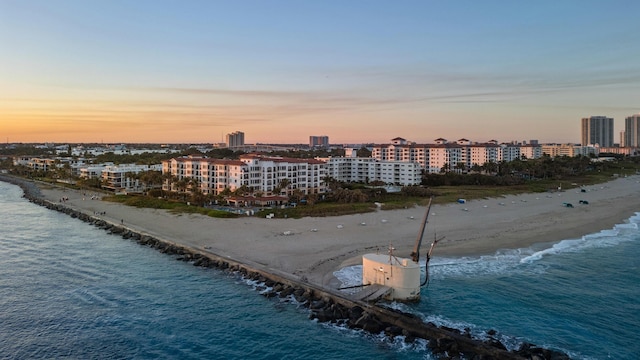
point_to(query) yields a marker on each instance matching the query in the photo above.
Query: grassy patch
(319, 210)
(172, 206)
(221, 214)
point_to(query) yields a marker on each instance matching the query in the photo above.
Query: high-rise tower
(597, 130)
(632, 131)
(319, 141)
(235, 139)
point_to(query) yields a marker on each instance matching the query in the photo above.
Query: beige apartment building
(460, 155)
(463, 155)
(571, 150)
(260, 173)
(364, 170)
(118, 178)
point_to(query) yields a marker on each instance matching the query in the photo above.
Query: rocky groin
(325, 305)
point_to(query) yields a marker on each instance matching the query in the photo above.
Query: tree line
(512, 173)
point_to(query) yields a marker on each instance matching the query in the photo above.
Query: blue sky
(356, 71)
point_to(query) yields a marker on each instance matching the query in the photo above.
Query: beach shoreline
(314, 248)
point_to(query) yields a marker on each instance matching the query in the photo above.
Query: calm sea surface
(69, 290)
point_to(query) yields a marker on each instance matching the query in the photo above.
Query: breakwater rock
(324, 305)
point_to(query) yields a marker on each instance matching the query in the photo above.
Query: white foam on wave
(508, 261)
(350, 276)
(440, 267)
(500, 262)
(606, 238)
(396, 343)
(510, 342)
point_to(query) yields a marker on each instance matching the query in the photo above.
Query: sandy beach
(316, 247)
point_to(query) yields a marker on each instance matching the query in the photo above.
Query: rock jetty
(325, 305)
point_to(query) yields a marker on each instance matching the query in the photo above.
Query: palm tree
(197, 196)
(332, 183)
(282, 185)
(242, 190)
(181, 186)
(151, 178)
(131, 177)
(460, 167)
(193, 184)
(312, 198)
(490, 167)
(296, 196)
(172, 181)
(223, 194)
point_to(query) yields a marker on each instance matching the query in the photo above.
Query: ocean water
(580, 296)
(70, 290)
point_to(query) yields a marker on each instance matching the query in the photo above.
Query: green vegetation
(150, 158)
(173, 206)
(27, 150)
(147, 158)
(319, 210)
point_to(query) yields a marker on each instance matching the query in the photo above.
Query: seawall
(325, 305)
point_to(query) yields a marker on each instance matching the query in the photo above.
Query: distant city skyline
(358, 72)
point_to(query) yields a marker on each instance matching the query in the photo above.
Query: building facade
(530, 151)
(626, 151)
(571, 150)
(632, 131)
(268, 175)
(319, 142)
(93, 171)
(120, 178)
(235, 139)
(74, 165)
(463, 155)
(597, 130)
(365, 170)
(459, 156)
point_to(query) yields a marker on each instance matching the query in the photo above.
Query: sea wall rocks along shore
(324, 305)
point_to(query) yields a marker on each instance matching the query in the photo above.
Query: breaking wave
(511, 260)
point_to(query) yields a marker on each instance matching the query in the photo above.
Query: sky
(357, 71)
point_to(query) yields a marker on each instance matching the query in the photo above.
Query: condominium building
(22, 160)
(235, 139)
(93, 171)
(482, 153)
(571, 150)
(632, 131)
(463, 155)
(120, 178)
(442, 155)
(530, 151)
(43, 164)
(626, 151)
(364, 170)
(319, 141)
(51, 164)
(597, 130)
(269, 175)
